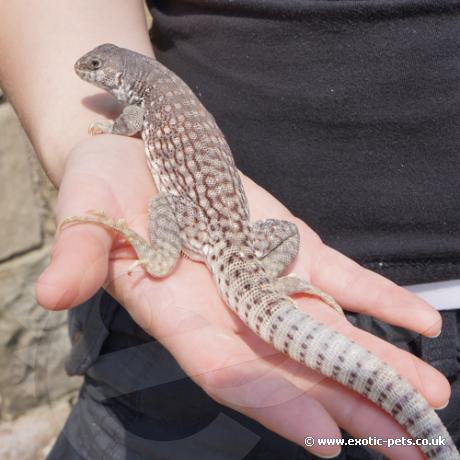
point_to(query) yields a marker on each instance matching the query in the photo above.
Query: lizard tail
(278, 321)
(321, 348)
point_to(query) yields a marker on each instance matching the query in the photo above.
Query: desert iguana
(202, 211)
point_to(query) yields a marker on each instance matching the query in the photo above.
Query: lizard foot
(99, 127)
(98, 217)
(97, 213)
(292, 284)
(103, 217)
(157, 261)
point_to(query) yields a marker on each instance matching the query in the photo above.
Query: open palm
(185, 313)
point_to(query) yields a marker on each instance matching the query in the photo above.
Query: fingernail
(436, 335)
(443, 406)
(329, 456)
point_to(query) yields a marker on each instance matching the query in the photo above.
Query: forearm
(39, 42)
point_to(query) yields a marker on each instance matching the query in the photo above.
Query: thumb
(79, 262)
(77, 270)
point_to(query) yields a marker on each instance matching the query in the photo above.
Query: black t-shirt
(347, 111)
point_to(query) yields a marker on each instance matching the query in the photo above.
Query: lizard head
(103, 66)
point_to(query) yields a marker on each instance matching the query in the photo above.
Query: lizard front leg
(159, 256)
(128, 123)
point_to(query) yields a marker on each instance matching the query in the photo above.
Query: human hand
(185, 313)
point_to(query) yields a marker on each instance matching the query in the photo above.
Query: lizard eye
(95, 63)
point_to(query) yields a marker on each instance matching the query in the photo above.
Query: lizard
(202, 211)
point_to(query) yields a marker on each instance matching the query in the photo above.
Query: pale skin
(184, 310)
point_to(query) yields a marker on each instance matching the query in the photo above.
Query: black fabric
(347, 111)
(137, 404)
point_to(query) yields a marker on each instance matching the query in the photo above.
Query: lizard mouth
(78, 70)
(82, 70)
(84, 74)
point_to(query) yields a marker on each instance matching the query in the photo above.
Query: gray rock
(31, 436)
(33, 341)
(20, 226)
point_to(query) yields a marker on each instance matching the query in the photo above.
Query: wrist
(55, 135)
(94, 153)
(37, 54)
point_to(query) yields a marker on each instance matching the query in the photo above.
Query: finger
(352, 412)
(427, 380)
(363, 291)
(78, 265)
(233, 371)
(234, 364)
(347, 408)
(299, 420)
(193, 298)
(252, 387)
(95, 177)
(363, 420)
(77, 270)
(257, 389)
(354, 287)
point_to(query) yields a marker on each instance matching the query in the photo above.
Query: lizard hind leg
(158, 257)
(292, 284)
(276, 244)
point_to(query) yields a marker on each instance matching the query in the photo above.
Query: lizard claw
(67, 221)
(97, 213)
(103, 217)
(96, 217)
(135, 264)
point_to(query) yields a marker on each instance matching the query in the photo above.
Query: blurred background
(36, 395)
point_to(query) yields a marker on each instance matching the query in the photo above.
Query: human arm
(40, 42)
